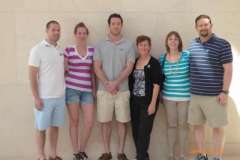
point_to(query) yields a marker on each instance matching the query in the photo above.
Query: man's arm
(124, 73)
(126, 70)
(113, 85)
(99, 72)
(227, 78)
(33, 77)
(128, 67)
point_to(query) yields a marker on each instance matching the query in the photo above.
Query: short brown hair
(142, 38)
(202, 16)
(80, 25)
(115, 15)
(51, 22)
(180, 46)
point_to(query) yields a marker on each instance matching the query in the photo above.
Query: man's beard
(204, 33)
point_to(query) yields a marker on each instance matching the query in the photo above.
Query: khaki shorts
(207, 108)
(108, 104)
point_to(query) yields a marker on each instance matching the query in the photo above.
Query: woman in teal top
(176, 92)
(176, 86)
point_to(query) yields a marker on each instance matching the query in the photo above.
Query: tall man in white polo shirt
(46, 73)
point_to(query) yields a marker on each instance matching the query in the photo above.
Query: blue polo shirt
(206, 65)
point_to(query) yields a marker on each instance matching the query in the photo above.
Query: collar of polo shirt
(47, 44)
(118, 42)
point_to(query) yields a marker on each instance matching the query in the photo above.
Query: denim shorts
(51, 115)
(74, 96)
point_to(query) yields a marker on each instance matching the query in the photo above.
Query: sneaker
(201, 157)
(77, 156)
(84, 155)
(105, 156)
(122, 156)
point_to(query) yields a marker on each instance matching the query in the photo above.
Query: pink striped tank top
(79, 75)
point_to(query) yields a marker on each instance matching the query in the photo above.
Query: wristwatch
(225, 92)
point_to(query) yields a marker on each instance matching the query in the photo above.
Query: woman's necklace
(173, 67)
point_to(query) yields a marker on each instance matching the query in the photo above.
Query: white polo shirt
(50, 61)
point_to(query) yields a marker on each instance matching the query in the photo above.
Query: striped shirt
(206, 65)
(176, 86)
(79, 75)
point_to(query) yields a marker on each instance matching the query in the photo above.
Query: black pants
(142, 125)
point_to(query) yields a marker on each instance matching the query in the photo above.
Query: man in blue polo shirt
(210, 78)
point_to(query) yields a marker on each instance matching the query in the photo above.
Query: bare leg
(199, 138)
(53, 138)
(218, 141)
(88, 111)
(122, 132)
(40, 139)
(73, 111)
(106, 130)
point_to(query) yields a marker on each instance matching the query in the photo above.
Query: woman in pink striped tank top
(80, 89)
